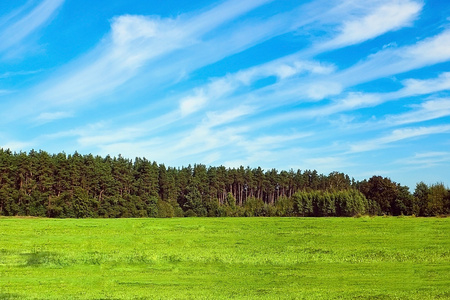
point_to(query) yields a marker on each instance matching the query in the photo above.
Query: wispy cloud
(139, 44)
(225, 87)
(20, 26)
(287, 70)
(381, 18)
(221, 14)
(398, 135)
(384, 63)
(52, 116)
(16, 145)
(356, 100)
(391, 61)
(426, 159)
(428, 110)
(425, 86)
(201, 96)
(18, 73)
(251, 82)
(133, 41)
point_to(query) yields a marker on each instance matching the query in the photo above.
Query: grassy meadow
(223, 258)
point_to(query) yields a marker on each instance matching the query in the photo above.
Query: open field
(213, 258)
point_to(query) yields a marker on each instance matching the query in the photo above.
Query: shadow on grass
(5, 296)
(35, 259)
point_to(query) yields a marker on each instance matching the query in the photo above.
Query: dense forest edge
(86, 186)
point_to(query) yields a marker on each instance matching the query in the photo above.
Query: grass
(223, 258)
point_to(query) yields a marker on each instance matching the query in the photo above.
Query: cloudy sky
(360, 87)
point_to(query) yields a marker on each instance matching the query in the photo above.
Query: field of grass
(223, 258)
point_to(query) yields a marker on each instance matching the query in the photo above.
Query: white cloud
(127, 28)
(220, 118)
(271, 142)
(427, 86)
(105, 133)
(216, 133)
(296, 89)
(259, 115)
(282, 68)
(321, 90)
(352, 101)
(18, 73)
(141, 138)
(19, 28)
(133, 41)
(206, 137)
(268, 150)
(52, 116)
(16, 145)
(398, 135)
(223, 13)
(139, 45)
(105, 137)
(357, 100)
(390, 61)
(389, 16)
(432, 50)
(333, 83)
(426, 159)
(285, 71)
(325, 163)
(360, 73)
(428, 110)
(191, 104)
(201, 96)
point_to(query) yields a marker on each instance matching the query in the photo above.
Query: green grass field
(223, 258)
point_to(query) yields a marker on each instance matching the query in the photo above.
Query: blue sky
(360, 87)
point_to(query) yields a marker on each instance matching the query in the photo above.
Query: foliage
(322, 203)
(165, 210)
(87, 186)
(254, 207)
(284, 207)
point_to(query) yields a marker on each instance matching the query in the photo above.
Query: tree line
(82, 186)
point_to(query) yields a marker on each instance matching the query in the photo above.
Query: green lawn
(222, 258)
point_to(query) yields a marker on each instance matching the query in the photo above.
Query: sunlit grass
(275, 258)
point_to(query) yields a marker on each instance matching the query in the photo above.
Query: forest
(86, 186)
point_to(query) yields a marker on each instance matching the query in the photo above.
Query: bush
(212, 206)
(269, 210)
(341, 203)
(303, 204)
(284, 207)
(165, 210)
(253, 207)
(190, 213)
